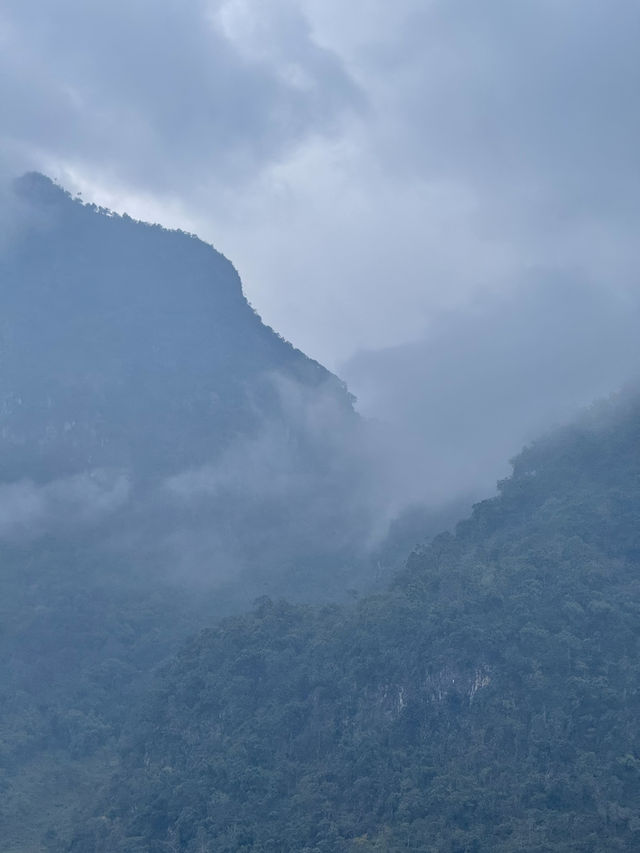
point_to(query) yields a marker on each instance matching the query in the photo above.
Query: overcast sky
(376, 171)
(364, 164)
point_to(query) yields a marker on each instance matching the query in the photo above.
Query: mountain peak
(36, 187)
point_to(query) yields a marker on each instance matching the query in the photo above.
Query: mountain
(488, 701)
(127, 345)
(165, 457)
(143, 398)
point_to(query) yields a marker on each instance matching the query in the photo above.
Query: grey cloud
(29, 509)
(155, 94)
(500, 138)
(317, 460)
(488, 378)
(539, 90)
(531, 108)
(307, 489)
(528, 108)
(304, 135)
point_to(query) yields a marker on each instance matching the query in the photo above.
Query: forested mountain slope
(489, 701)
(165, 457)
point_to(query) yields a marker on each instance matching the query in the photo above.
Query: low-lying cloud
(456, 405)
(307, 488)
(29, 509)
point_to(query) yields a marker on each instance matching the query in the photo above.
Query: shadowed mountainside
(165, 458)
(487, 702)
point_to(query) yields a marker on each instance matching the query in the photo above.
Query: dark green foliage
(487, 702)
